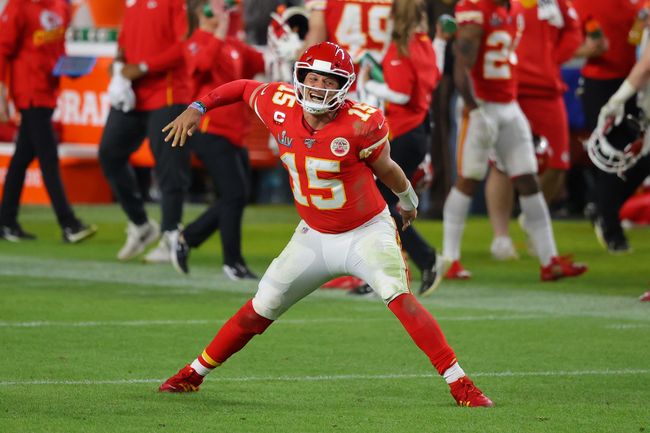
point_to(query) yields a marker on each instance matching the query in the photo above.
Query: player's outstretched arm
(185, 124)
(394, 178)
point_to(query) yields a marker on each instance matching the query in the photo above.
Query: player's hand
(131, 71)
(595, 47)
(182, 127)
(613, 109)
(408, 216)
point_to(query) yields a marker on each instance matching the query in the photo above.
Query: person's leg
(295, 273)
(499, 197)
(229, 169)
(472, 164)
(386, 274)
(122, 135)
(15, 177)
(39, 127)
(172, 167)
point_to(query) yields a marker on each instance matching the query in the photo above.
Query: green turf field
(85, 341)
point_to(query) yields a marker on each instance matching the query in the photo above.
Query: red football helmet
(328, 59)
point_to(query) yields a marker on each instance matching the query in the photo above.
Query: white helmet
(612, 158)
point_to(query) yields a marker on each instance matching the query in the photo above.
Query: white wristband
(625, 92)
(408, 200)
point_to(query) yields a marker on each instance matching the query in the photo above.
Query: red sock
(234, 335)
(424, 331)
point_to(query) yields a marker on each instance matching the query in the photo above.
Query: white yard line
(316, 321)
(339, 377)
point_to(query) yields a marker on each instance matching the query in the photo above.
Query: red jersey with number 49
(356, 25)
(493, 74)
(333, 186)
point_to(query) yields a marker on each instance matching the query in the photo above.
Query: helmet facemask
(332, 98)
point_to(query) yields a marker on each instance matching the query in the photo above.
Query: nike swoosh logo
(395, 62)
(382, 123)
(264, 90)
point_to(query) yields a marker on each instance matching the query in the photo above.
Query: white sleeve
(382, 91)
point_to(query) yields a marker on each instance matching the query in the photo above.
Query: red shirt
(32, 39)
(333, 187)
(415, 75)
(153, 33)
(494, 74)
(211, 63)
(544, 46)
(616, 18)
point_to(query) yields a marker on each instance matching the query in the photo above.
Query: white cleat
(502, 249)
(138, 238)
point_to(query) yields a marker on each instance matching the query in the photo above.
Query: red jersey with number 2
(493, 74)
(333, 186)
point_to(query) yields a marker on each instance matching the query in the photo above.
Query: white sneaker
(138, 238)
(502, 249)
(162, 253)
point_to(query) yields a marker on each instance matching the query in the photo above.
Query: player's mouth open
(316, 97)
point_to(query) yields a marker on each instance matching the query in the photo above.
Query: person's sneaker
(138, 237)
(560, 267)
(15, 234)
(186, 380)
(645, 297)
(432, 276)
(346, 282)
(238, 271)
(467, 394)
(363, 290)
(180, 252)
(456, 271)
(618, 246)
(78, 232)
(502, 249)
(162, 253)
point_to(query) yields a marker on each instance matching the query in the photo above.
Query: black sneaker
(362, 290)
(238, 271)
(78, 232)
(15, 234)
(432, 276)
(180, 252)
(618, 246)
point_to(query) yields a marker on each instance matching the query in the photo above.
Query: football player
(494, 127)
(553, 34)
(332, 148)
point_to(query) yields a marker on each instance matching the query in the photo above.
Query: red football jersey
(32, 39)
(236, 60)
(356, 25)
(544, 46)
(493, 74)
(333, 187)
(415, 75)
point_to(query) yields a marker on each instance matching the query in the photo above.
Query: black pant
(611, 191)
(408, 150)
(122, 136)
(35, 140)
(229, 168)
